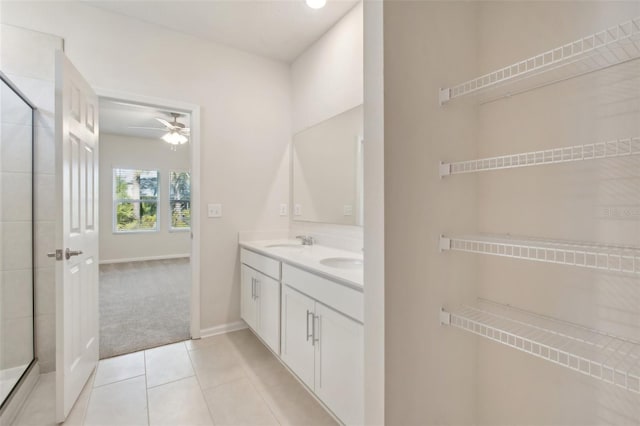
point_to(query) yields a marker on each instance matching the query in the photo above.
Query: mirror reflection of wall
(328, 172)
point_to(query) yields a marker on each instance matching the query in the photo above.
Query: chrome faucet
(307, 240)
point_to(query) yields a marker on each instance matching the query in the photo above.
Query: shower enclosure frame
(7, 400)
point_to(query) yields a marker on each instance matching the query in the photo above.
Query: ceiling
(278, 29)
(119, 118)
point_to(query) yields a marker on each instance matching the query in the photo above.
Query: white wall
(327, 80)
(374, 310)
(33, 74)
(146, 154)
(562, 202)
(440, 375)
(430, 370)
(245, 115)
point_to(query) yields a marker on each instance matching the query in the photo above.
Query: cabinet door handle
(257, 288)
(309, 334)
(313, 329)
(253, 288)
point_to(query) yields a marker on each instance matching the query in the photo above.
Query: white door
(339, 380)
(268, 294)
(76, 234)
(248, 305)
(297, 349)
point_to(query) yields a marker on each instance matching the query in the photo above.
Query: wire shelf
(593, 151)
(603, 257)
(612, 46)
(590, 352)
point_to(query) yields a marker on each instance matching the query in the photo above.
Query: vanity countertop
(309, 257)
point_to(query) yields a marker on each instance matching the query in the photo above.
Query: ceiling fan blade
(166, 123)
(186, 130)
(148, 128)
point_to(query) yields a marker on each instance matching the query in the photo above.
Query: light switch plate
(283, 209)
(348, 210)
(214, 210)
(297, 210)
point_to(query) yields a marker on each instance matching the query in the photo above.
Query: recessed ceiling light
(316, 4)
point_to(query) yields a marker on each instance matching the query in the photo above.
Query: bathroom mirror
(328, 170)
(16, 232)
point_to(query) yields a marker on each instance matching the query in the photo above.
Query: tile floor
(230, 379)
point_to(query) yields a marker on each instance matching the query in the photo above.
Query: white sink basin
(342, 262)
(285, 245)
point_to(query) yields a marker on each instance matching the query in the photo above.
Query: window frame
(116, 201)
(170, 210)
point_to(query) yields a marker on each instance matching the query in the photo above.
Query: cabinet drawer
(339, 297)
(264, 264)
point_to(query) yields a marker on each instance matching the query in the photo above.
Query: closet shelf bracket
(444, 169)
(444, 95)
(445, 317)
(445, 243)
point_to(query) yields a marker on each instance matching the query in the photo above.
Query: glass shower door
(16, 238)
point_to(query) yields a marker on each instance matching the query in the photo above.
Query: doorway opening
(148, 194)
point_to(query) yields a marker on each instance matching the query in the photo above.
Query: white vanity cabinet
(260, 296)
(323, 340)
(298, 350)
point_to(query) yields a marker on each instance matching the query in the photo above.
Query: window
(135, 200)
(180, 200)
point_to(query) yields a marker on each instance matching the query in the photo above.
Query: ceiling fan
(176, 132)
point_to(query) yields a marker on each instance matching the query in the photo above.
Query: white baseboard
(224, 328)
(142, 259)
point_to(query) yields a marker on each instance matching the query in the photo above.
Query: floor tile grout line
(172, 381)
(213, 420)
(118, 381)
(277, 419)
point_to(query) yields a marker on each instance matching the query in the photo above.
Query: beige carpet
(143, 305)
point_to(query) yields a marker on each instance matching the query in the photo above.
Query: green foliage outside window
(180, 200)
(135, 199)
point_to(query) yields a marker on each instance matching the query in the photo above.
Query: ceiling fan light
(174, 138)
(316, 4)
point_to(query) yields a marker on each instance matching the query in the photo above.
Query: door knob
(68, 253)
(57, 254)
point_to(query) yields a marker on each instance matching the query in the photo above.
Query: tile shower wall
(16, 291)
(34, 74)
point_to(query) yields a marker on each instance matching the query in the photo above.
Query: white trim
(374, 223)
(195, 222)
(224, 328)
(194, 143)
(143, 259)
